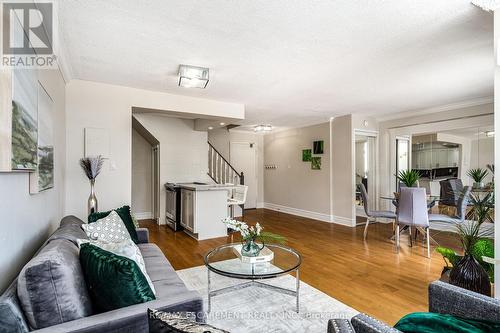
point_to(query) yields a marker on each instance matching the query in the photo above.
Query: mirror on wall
(402, 157)
(451, 155)
(365, 162)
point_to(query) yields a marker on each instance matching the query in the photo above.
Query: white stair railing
(220, 170)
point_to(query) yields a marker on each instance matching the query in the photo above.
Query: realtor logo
(27, 34)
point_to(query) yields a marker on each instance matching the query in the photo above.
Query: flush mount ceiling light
(193, 76)
(263, 128)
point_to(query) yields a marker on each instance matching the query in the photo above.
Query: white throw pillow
(127, 249)
(109, 229)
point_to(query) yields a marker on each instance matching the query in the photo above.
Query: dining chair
(412, 212)
(450, 190)
(372, 215)
(461, 206)
(238, 198)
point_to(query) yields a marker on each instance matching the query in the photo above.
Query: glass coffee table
(224, 261)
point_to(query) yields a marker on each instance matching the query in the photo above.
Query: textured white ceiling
(290, 62)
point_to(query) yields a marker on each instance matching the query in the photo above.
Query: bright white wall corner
(98, 105)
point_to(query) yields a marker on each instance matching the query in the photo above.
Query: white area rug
(261, 310)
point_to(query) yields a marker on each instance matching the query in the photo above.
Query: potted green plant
(483, 248)
(250, 235)
(409, 177)
(478, 175)
(470, 271)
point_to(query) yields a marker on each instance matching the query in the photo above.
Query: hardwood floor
(368, 276)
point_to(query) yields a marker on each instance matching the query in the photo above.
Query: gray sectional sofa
(444, 298)
(50, 291)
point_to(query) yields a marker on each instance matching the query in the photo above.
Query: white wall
(342, 179)
(220, 139)
(293, 187)
(141, 177)
(183, 151)
(27, 220)
(482, 153)
(258, 139)
(98, 105)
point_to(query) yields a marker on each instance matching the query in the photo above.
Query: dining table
(431, 199)
(487, 228)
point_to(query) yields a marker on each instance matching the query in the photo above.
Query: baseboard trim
(343, 221)
(143, 215)
(298, 212)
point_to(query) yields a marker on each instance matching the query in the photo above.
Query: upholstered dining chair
(372, 215)
(412, 212)
(461, 205)
(450, 190)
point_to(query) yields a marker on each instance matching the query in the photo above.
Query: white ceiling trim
(437, 109)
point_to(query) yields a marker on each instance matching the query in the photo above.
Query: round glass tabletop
(224, 260)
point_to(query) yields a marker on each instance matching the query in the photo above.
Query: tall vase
(92, 202)
(469, 274)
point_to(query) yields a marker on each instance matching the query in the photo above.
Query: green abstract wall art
(43, 177)
(318, 147)
(316, 163)
(306, 155)
(24, 120)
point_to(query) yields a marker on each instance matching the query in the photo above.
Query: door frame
(256, 147)
(373, 134)
(155, 182)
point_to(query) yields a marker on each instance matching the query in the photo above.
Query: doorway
(145, 174)
(365, 162)
(402, 157)
(243, 157)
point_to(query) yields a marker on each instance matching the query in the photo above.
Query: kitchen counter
(203, 207)
(206, 187)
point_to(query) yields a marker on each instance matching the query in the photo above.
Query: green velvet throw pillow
(113, 281)
(124, 213)
(428, 322)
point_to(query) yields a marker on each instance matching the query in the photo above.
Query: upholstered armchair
(444, 298)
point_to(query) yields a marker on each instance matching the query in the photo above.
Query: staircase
(220, 170)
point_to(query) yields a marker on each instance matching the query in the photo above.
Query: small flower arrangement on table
(251, 234)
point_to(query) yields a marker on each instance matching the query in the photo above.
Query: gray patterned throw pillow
(109, 229)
